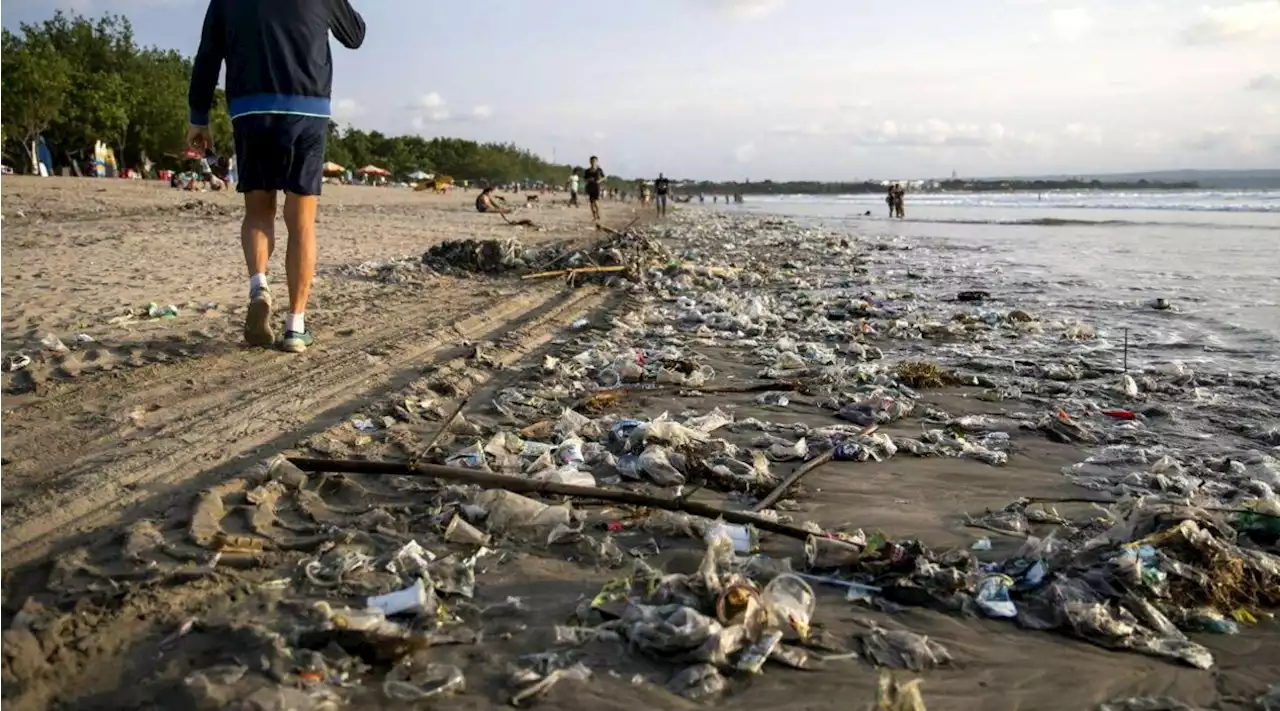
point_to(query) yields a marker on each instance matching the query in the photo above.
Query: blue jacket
(277, 55)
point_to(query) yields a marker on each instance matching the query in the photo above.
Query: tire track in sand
(269, 406)
(87, 419)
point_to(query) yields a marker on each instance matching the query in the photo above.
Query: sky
(807, 89)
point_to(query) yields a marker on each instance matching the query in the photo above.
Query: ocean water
(1099, 257)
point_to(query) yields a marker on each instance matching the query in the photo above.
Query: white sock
(257, 281)
(295, 322)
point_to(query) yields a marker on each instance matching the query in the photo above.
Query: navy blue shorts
(280, 152)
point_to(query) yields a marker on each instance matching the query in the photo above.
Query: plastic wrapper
(902, 649)
(413, 683)
(699, 681)
(668, 630)
(453, 575)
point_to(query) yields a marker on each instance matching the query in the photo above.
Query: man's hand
(200, 138)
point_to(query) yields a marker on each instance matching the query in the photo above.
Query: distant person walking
(573, 188)
(662, 188)
(900, 199)
(891, 199)
(279, 77)
(594, 175)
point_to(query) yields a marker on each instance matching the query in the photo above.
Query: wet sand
(134, 424)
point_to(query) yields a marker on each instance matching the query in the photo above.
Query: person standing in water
(279, 77)
(891, 200)
(594, 175)
(662, 188)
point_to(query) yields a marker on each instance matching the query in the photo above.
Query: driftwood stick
(571, 272)
(1101, 501)
(517, 223)
(618, 233)
(799, 473)
(609, 395)
(790, 481)
(444, 427)
(487, 480)
(767, 386)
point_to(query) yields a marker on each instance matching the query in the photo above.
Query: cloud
(1070, 23)
(347, 109)
(1264, 82)
(1256, 20)
(748, 9)
(437, 116)
(812, 129)
(1083, 133)
(95, 7)
(481, 111)
(431, 100)
(745, 153)
(1222, 140)
(933, 132)
(433, 109)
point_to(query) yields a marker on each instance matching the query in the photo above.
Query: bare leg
(595, 209)
(300, 260)
(258, 240)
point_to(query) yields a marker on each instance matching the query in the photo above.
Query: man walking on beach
(661, 187)
(279, 76)
(594, 175)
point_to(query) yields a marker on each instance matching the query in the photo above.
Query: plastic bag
(992, 596)
(902, 649)
(653, 462)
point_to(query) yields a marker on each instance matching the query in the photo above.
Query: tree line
(75, 81)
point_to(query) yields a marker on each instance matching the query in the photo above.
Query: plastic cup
(821, 552)
(459, 531)
(790, 602)
(411, 599)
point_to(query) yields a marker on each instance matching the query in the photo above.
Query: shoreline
(529, 353)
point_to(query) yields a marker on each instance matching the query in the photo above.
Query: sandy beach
(88, 257)
(123, 418)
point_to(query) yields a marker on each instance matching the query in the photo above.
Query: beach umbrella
(332, 167)
(373, 170)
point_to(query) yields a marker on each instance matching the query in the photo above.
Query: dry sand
(133, 424)
(103, 424)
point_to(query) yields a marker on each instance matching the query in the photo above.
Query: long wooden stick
(447, 423)
(487, 480)
(791, 480)
(571, 272)
(618, 233)
(799, 473)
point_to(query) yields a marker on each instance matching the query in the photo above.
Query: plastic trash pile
(388, 566)
(512, 256)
